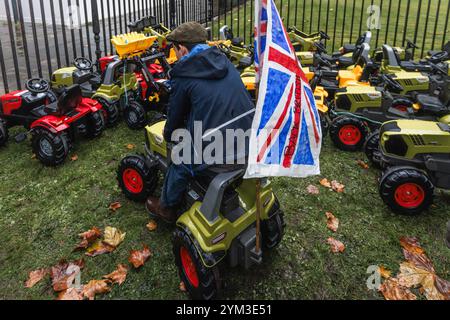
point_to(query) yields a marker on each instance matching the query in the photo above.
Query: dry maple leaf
(98, 248)
(138, 258)
(115, 206)
(88, 238)
(131, 146)
(325, 183)
(415, 254)
(113, 237)
(95, 287)
(385, 273)
(363, 164)
(118, 276)
(74, 158)
(333, 222)
(410, 276)
(71, 294)
(313, 190)
(183, 287)
(443, 286)
(336, 246)
(35, 276)
(411, 245)
(64, 274)
(337, 187)
(152, 225)
(392, 290)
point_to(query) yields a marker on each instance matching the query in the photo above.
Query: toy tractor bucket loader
(132, 44)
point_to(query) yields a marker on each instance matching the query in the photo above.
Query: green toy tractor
(416, 155)
(359, 110)
(217, 225)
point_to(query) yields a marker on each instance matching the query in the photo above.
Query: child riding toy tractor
(416, 155)
(54, 125)
(218, 222)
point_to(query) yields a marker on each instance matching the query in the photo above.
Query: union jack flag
(287, 135)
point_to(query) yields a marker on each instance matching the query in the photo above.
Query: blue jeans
(176, 183)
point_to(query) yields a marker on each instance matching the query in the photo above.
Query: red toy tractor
(54, 124)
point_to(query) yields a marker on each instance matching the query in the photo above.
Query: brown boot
(153, 206)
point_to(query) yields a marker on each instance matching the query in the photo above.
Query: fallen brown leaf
(98, 248)
(333, 222)
(64, 274)
(182, 287)
(336, 246)
(131, 146)
(392, 290)
(71, 294)
(313, 190)
(410, 276)
(35, 277)
(95, 287)
(443, 286)
(118, 276)
(325, 183)
(33, 156)
(385, 273)
(363, 164)
(415, 254)
(152, 225)
(115, 206)
(138, 258)
(337, 187)
(113, 237)
(74, 158)
(88, 238)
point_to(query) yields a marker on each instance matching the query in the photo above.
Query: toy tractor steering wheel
(320, 47)
(439, 56)
(225, 49)
(37, 85)
(438, 68)
(322, 61)
(324, 35)
(412, 45)
(83, 64)
(392, 84)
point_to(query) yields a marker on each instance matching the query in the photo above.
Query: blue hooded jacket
(206, 87)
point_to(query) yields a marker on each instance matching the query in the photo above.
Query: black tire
(372, 148)
(406, 191)
(51, 149)
(205, 284)
(3, 133)
(135, 116)
(95, 124)
(348, 133)
(112, 112)
(272, 230)
(136, 179)
(325, 125)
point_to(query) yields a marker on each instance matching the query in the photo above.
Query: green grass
(42, 210)
(318, 16)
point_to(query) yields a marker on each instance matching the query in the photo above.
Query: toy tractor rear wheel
(372, 147)
(406, 191)
(112, 112)
(348, 133)
(3, 133)
(136, 179)
(135, 116)
(202, 283)
(95, 124)
(50, 148)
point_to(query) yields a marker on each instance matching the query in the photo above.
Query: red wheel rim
(350, 135)
(133, 181)
(409, 195)
(401, 108)
(189, 267)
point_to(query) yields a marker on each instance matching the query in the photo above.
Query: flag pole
(258, 180)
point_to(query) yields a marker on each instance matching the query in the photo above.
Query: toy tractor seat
(431, 104)
(67, 102)
(446, 48)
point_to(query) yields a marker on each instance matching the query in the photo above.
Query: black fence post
(172, 9)
(96, 30)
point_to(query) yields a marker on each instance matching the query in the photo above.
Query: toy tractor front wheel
(50, 148)
(135, 116)
(95, 124)
(112, 112)
(372, 148)
(136, 179)
(3, 133)
(273, 228)
(407, 191)
(202, 283)
(348, 133)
